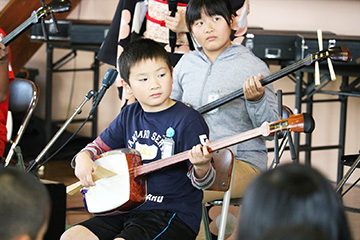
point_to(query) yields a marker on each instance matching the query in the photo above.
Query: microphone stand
(172, 35)
(53, 27)
(43, 25)
(276, 136)
(35, 164)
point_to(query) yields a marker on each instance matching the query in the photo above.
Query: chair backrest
(23, 98)
(23, 93)
(223, 161)
(9, 126)
(286, 111)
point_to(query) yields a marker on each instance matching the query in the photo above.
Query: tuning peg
(317, 74)
(320, 40)
(331, 70)
(317, 67)
(330, 65)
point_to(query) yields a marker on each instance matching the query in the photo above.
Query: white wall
(70, 88)
(340, 17)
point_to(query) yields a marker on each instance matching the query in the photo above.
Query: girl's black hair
(141, 49)
(210, 8)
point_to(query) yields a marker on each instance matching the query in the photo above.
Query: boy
(24, 206)
(145, 67)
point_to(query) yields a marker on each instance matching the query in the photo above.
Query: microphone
(53, 27)
(172, 35)
(108, 80)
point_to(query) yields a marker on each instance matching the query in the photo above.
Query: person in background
(6, 76)
(151, 19)
(24, 206)
(288, 196)
(296, 232)
(146, 125)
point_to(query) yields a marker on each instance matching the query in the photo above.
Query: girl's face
(212, 33)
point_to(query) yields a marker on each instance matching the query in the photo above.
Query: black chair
(23, 99)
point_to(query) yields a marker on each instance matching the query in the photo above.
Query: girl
(151, 19)
(217, 68)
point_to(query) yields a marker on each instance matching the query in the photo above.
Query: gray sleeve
(177, 91)
(264, 109)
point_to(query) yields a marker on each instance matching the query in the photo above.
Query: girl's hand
(253, 90)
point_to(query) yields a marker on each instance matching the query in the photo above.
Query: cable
(60, 148)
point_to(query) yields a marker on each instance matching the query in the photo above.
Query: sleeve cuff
(204, 182)
(90, 151)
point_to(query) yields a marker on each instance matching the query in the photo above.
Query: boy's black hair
(25, 204)
(210, 8)
(292, 194)
(141, 49)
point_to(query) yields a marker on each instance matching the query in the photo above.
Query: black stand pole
(35, 164)
(287, 138)
(276, 136)
(348, 174)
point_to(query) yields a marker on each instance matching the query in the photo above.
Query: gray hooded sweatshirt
(198, 81)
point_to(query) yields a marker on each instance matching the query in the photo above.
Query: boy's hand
(200, 157)
(253, 90)
(3, 53)
(177, 23)
(84, 169)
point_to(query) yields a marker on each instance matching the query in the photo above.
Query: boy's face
(151, 84)
(212, 33)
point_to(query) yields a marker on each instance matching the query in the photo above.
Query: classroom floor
(60, 171)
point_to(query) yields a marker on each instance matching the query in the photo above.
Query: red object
(4, 105)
